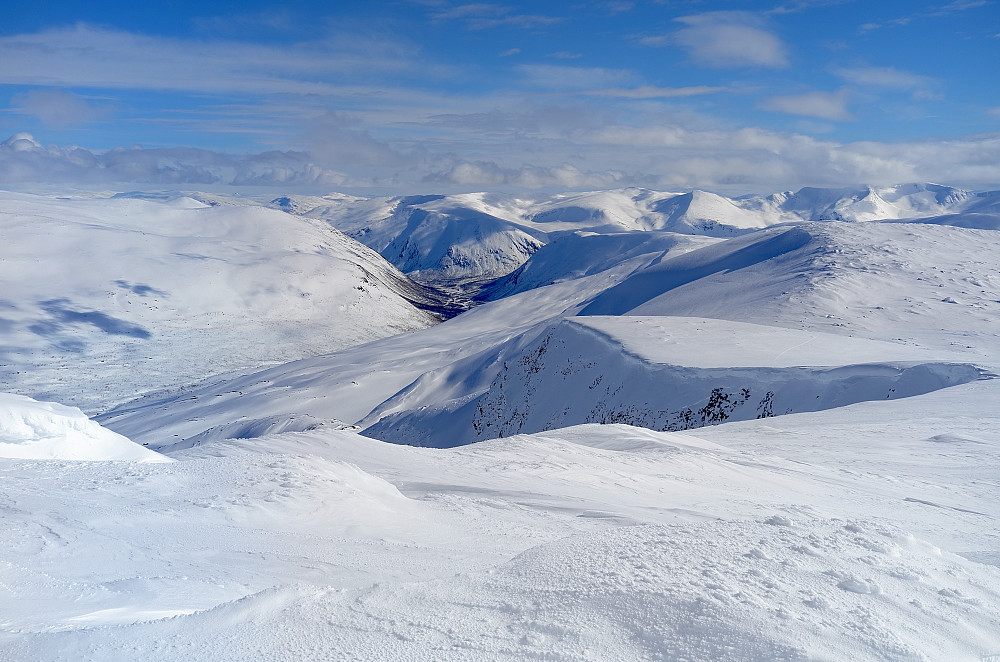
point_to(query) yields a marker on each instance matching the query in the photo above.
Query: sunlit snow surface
(100, 297)
(864, 529)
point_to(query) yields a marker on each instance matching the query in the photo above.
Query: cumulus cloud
(338, 140)
(57, 108)
(729, 40)
(823, 105)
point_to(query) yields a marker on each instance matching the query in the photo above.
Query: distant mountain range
(482, 236)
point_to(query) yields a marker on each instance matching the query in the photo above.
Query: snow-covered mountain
(104, 299)
(432, 238)
(476, 237)
(681, 427)
(911, 282)
(866, 204)
(900, 283)
(578, 370)
(579, 254)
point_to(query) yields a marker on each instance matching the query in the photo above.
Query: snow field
(860, 526)
(586, 543)
(101, 296)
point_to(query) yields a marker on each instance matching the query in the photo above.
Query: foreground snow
(588, 543)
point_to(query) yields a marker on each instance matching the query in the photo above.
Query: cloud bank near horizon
(735, 162)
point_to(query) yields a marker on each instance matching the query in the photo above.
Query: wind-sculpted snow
(815, 478)
(49, 431)
(588, 543)
(573, 374)
(104, 299)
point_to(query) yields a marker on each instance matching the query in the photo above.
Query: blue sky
(427, 95)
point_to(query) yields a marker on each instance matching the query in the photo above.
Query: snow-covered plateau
(667, 426)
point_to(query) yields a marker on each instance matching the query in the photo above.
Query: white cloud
(729, 40)
(480, 174)
(822, 105)
(666, 156)
(57, 108)
(336, 140)
(85, 56)
(555, 77)
(482, 16)
(962, 5)
(652, 92)
(23, 161)
(886, 77)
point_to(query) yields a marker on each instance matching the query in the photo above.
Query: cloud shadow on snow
(140, 289)
(61, 314)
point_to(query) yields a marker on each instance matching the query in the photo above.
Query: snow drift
(34, 430)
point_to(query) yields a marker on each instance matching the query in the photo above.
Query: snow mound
(34, 430)
(251, 428)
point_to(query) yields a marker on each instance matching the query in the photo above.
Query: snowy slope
(433, 237)
(451, 245)
(923, 284)
(866, 204)
(104, 299)
(856, 519)
(889, 282)
(663, 373)
(699, 212)
(344, 386)
(581, 254)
